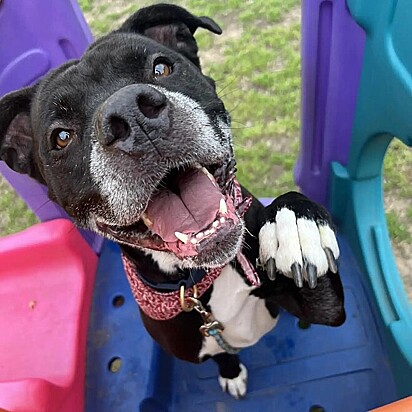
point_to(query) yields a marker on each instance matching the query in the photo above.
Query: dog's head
(133, 141)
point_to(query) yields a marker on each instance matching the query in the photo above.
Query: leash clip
(211, 326)
(188, 304)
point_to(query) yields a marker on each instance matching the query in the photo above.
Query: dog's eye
(162, 68)
(61, 138)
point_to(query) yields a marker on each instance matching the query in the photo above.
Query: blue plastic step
(290, 369)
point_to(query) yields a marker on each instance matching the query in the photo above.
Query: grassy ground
(256, 63)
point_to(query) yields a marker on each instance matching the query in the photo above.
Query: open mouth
(191, 210)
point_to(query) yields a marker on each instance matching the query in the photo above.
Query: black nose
(133, 113)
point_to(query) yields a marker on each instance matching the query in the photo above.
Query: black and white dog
(133, 141)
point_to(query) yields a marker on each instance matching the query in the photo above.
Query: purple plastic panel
(332, 53)
(36, 36)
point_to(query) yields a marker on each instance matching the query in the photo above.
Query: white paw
(236, 387)
(299, 248)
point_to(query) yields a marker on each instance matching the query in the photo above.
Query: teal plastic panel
(383, 110)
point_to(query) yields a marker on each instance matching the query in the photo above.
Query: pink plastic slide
(46, 283)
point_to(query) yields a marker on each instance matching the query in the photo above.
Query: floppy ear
(16, 136)
(172, 26)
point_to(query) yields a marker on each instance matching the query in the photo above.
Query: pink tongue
(192, 210)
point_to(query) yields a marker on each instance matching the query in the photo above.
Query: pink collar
(166, 305)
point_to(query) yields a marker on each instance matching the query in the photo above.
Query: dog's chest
(245, 317)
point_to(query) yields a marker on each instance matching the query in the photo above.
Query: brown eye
(62, 137)
(162, 69)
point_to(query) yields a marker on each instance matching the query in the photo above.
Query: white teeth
(146, 220)
(182, 237)
(207, 232)
(193, 240)
(215, 223)
(211, 231)
(222, 220)
(223, 207)
(208, 174)
(199, 235)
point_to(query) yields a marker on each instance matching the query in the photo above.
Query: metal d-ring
(188, 307)
(211, 327)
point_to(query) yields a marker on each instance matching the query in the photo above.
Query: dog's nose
(131, 113)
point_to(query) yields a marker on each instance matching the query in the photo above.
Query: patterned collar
(160, 305)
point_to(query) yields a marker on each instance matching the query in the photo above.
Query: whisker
(234, 108)
(245, 245)
(222, 96)
(251, 234)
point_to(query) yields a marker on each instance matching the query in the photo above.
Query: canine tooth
(199, 235)
(182, 237)
(215, 223)
(193, 240)
(222, 220)
(208, 174)
(146, 220)
(223, 207)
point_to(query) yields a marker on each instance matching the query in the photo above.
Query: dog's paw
(236, 387)
(297, 240)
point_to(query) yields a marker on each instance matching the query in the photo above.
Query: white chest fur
(244, 317)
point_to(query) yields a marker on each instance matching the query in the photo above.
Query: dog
(134, 143)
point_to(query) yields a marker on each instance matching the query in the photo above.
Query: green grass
(16, 216)
(256, 65)
(397, 168)
(398, 192)
(397, 228)
(86, 5)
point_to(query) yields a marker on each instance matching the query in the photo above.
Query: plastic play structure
(71, 335)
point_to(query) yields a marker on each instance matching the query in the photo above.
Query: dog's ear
(172, 26)
(16, 136)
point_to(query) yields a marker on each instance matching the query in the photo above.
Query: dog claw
(312, 275)
(331, 261)
(271, 269)
(297, 274)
